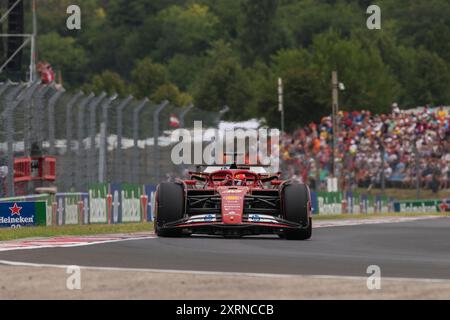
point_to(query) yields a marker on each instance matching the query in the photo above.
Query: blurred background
(381, 125)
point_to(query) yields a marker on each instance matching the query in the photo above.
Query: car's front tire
(296, 209)
(170, 208)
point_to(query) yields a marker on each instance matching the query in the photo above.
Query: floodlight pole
(281, 103)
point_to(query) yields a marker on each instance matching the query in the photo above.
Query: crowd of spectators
(414, 143)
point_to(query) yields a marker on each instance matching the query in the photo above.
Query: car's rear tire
(170, 200)
(295, 209)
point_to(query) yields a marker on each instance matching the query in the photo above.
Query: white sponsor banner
(98, 209)
(71, 211)
(131, 208)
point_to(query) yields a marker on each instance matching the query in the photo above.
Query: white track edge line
(215, 273)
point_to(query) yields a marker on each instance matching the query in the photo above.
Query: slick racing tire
(170, 202)
(295, 209)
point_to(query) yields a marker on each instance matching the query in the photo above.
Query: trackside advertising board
(335, 203)
(72, 208)
(48, 199)
(121, 203)
(131, 203)
(22, 214)
(128, 203)
(98, 203)
(422, 206)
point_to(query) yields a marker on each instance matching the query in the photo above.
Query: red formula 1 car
(233, 201)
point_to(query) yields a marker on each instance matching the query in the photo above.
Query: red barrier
(36, 168)
(22, 170)
(48, 168)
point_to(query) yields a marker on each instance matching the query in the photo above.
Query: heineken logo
(15, 209)
(18, 214)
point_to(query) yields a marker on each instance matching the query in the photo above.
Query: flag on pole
(174, 121)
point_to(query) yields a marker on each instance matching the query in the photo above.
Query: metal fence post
(155, 139)
(80, 183)
(118, 163)
(39, 118)
(184, 113)
(69, 170)
(51, 119)
(136, 156)
(28, 120)
(4, 87)
(222, 113)
(9, 126)
(92, 132)
(102, 166)
(69, 122)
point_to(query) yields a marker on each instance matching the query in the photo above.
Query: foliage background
(231, 52)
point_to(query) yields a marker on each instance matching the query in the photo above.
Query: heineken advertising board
(22, 214)
(47, 198)
(422, 206)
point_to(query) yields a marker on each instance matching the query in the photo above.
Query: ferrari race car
(233, 201)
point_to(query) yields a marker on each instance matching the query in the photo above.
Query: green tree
(188, 30)
(133, 13)
(256, 35)
(109, 82)
(306, 97)
(368, 81)
(183, 69)
(431, 83)
(147, 77)
(421, 23)
(171, 93)
(308, 18)
(64, 54)
(224, 82)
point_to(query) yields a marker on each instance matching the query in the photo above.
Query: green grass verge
(85, 230)
(378, 215)
(76, 230)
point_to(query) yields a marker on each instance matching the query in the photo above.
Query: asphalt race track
(416, 249)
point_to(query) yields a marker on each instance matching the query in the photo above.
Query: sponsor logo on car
(232, 198)
(254, 218)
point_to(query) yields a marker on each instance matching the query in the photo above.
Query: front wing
(252, 224)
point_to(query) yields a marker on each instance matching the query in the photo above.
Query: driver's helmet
(240, 179)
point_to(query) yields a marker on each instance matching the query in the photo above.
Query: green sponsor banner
(424, 206)
(356, 205)
(371, 204)
(329, 202)
(98, 208)
(41, 213)
(384, 204)
(131, 202)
